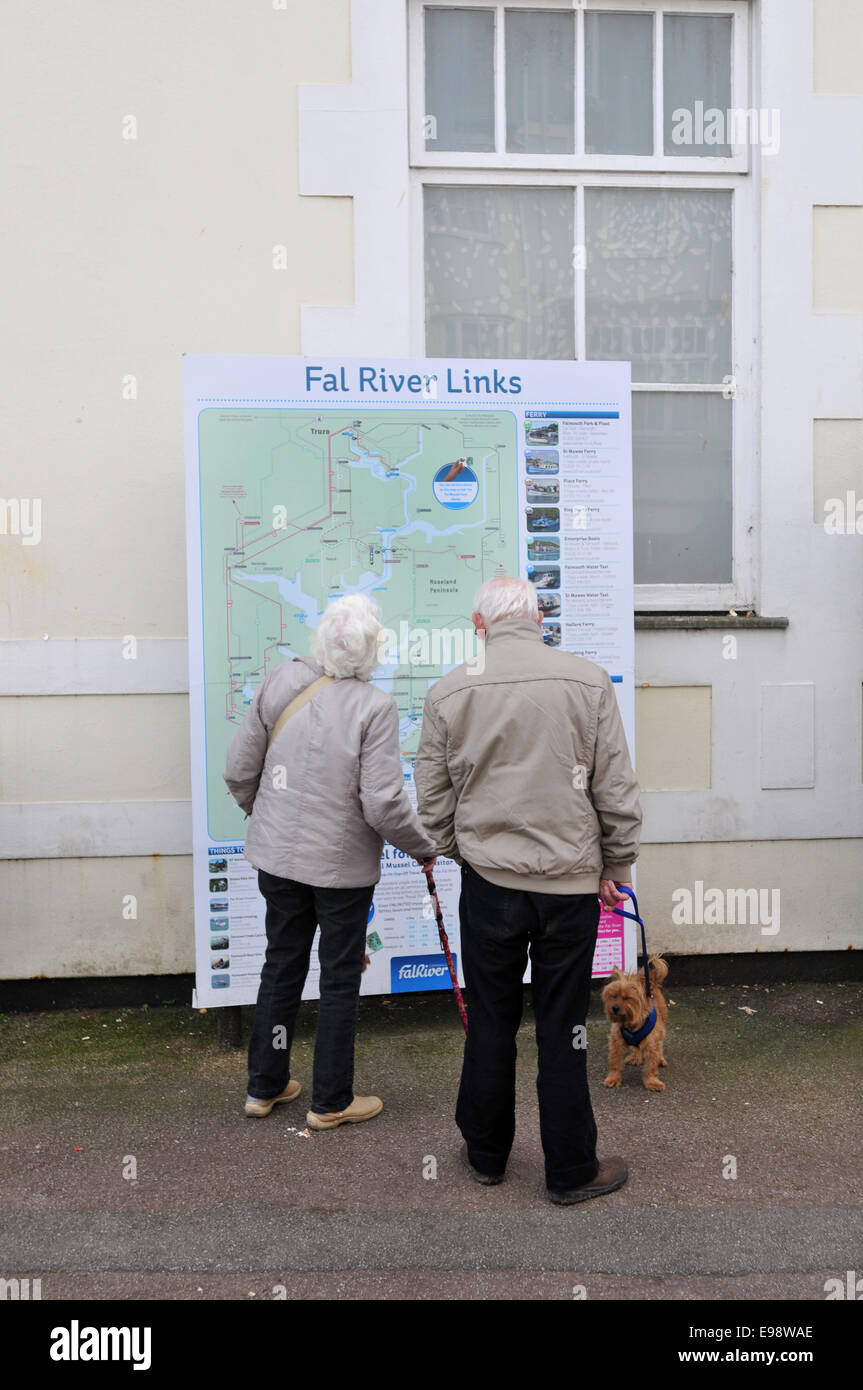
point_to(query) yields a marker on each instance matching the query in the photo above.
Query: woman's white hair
(346, 638)
(506, 598)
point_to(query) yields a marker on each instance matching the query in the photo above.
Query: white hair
(346, 638)
(506, 598)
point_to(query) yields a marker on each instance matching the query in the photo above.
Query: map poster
(411, 480)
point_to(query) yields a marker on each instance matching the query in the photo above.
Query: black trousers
(498, 927)
(294, 910)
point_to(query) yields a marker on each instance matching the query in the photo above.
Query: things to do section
(577, 537)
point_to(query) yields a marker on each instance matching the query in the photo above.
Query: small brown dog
(626, 1003)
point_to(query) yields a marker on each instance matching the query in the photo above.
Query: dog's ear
(658, 967)
(616, 974)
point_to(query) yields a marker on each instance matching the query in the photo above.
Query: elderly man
(523, 776)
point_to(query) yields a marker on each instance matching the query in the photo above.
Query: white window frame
(580, 172)
(737, 162)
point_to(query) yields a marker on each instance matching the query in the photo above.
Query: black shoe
(487, 1179)
(612, 1174)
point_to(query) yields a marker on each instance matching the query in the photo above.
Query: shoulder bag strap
(297, 703)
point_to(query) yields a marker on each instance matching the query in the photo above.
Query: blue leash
(633, 1039)
(635, 917)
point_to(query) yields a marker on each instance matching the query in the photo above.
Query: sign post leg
(230, 1027)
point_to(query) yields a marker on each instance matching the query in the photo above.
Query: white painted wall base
(67, 919)
(817, 882)
(94, 666)
(41, 830)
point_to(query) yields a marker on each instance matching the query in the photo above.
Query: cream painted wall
(128, 253)
(96, 748)
(837, 260)
(673, 737)
(68, 917)
(838, 46)
(837, 447)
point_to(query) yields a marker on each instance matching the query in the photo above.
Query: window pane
(697, 80)
(499, 276)
(540, 82)
(459, 56)
(681, 445)
(618, 74)
(658, 284)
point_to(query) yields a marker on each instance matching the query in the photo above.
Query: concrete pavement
(130, 1170)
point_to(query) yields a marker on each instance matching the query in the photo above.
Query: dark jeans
(498, 925)
(294, 910)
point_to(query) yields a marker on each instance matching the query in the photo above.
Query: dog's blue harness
(633, 1039)
(647, 1027)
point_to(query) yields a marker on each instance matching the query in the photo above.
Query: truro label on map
(412, 481)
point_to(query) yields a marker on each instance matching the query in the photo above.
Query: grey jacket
(331, 789)
(523, 769)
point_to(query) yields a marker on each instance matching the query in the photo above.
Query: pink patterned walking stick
(444, 941)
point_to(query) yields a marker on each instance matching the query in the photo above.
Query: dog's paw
(653, 1083)
(662, 1062)
(614, 1078)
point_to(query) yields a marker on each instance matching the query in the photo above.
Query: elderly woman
(316, 765)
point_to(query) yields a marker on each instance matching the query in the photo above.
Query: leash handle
(635, 917)
(621, 912)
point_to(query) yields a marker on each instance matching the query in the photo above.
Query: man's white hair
(346, 638)
(506, 598)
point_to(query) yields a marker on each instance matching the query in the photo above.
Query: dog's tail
(658, 966)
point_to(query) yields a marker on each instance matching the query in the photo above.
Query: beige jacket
(331, 789)
(523, 769)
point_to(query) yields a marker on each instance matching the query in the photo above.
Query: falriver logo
(77, 1343)
(419, 972)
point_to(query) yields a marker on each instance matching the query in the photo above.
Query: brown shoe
(360, 1108)
(258, 1108)
(612, 1174)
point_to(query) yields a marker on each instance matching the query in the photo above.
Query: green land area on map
(298, 506)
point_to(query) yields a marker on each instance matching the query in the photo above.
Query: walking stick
(444, 941)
